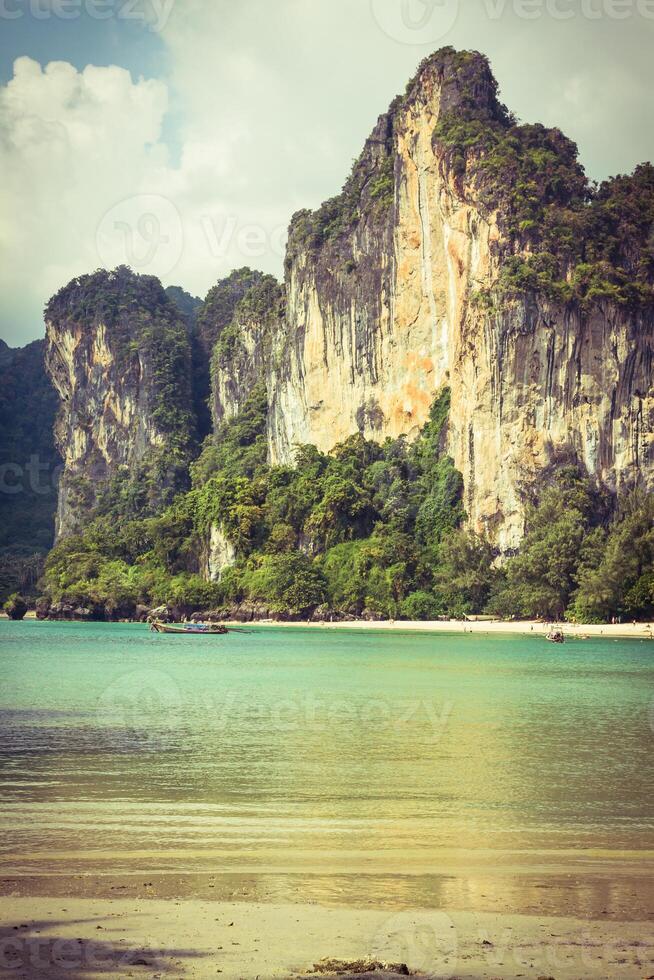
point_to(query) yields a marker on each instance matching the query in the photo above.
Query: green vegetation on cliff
(217, 311)
(364, 529)
(147, 339)
(357, 528)
(148, 361)
(261, 302)
(564, 238)
(576, 563)
(213, 320)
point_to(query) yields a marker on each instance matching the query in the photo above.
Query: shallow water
(321, 752)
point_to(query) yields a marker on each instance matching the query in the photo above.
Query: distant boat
(556, 636)
(189, 629)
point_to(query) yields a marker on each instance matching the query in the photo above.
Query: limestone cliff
(242, 354)
(118, 354)
(207, 320)
(442, 263)
(465, 251)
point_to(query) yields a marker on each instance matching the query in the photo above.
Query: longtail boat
(189, 629)
(556, 636)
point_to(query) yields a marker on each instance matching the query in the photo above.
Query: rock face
(221, 554)
(242, 354)
(119, 356)
(464, 251)
(381, 314)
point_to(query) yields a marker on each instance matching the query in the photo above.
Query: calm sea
(320, 752)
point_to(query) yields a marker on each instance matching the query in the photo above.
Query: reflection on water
(319, 751)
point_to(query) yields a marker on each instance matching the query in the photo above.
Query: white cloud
(270, 100)
(71, 145)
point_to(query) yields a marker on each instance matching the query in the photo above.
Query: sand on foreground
(94, 938)
(633, 631)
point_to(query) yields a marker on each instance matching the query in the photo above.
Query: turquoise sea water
(319, 751)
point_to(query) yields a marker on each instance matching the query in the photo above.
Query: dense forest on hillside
(364, 530)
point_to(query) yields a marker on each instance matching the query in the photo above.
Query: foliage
(187, 305)
(289, 583)
(217, 325)
(217, 311)
(565, 238)
(616, 571)
(260, 306)
(575, 564)
(239, 446)
(356, 528)
(21, 567)
(540, 580)
(15, 606)
(464, 573)
(148, 339)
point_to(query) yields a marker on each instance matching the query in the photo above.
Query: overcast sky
(180, 135)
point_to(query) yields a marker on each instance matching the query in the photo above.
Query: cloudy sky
(180, 135)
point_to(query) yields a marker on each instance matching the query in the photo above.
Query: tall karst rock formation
(465, 251)
(119, 355)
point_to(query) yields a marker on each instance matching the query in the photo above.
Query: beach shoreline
(633, 631)
(618, 631)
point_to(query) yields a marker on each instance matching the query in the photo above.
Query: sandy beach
(134, 937)
(633, 631)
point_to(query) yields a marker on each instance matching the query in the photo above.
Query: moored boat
(189, 629)
(556, 636)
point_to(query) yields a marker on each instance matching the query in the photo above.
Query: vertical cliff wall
(119, 356)
(243, 351)
(432, 268)
(465, 251)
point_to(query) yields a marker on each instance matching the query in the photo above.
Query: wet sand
(136, 937)
(533, 925)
